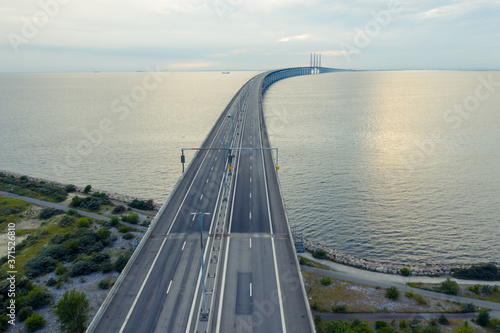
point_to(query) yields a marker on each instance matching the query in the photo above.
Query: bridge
(226, 211)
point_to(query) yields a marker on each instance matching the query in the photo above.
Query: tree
(72, 311)
(483, 318)
(87, 188)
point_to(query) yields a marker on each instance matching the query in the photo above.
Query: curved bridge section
(219, 256)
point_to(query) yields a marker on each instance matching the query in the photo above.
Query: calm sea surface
(393, 166)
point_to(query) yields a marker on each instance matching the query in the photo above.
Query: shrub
(443, 320)
(320, 254)
(114, 221)
(487, 290)
(83, 223)
(34, 322)
(4, 320)
(87, 189)
(60, 270)
(475, 289)
(379, 324)
(449, 287)
(107, 267)
(104, 233)
(48, 212)
(38, 297)
(483, 318)
(128, 235)
(124, 229)
(121, 261)
(326, 281)
(131, 218)
(24, 313)
(82, 267)
(141, 204)
(339, 308)
(405, 271)
(488, 272)
(72, 311)
(38, 265)
(118, 209)
(66, 221)
(392, 293)
(73, 212)
(469, 307)
(51, 282)
(403, 324)
(104, 284)
(70, 188)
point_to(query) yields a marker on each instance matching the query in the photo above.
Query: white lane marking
(250, 179)
(212, 169)
(250, 167)
(250, 195)
(142, 287)
(250, 289)
(194, 216)
(207, 181)
(216, 158)
(250, 243)
(201, 197)
(183, 245)
(250, 215)
(283, 326)
(169, 285)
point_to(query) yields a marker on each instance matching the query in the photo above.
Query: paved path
(391, 315)
(64, 206)
(386, 280)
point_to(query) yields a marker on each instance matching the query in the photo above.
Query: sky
(181, 35)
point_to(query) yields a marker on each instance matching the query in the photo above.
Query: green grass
(312, 263)
(8, 204)
(464, 292)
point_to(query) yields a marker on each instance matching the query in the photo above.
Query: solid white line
(250, 289)
(142, 286)
(184, 244)
(282, 313)
(283, 325)
(169, 285)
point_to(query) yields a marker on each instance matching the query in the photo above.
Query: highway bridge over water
(251, 280)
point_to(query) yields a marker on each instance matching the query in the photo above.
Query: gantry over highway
(251, 280)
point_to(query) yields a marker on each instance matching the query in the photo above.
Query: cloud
(457, 9)
(298, 37)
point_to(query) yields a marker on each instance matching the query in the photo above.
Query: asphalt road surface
(251, 279)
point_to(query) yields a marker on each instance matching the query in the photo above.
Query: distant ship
(226, 72)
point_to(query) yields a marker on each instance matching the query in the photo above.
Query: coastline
(433, 270)
(418, 269)
(111, 195)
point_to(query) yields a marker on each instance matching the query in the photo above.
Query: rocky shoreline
(111, 195)
(387, 268)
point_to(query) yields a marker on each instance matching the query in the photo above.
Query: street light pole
(203, 314)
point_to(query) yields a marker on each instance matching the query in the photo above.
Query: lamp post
(203, 314)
